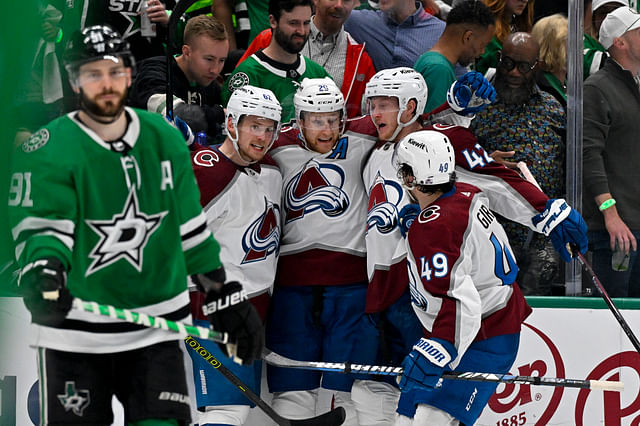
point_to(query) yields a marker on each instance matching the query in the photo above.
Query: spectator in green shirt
(470, 26)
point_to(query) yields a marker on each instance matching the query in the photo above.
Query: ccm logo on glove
(224, 303)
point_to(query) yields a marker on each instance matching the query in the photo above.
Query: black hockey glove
(42, 284)
(228, 309)
(215, 120)
(194, 116)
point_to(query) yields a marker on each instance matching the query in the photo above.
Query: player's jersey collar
(129, 138)
(280, 69)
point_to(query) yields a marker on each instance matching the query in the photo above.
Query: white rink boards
(564, 337)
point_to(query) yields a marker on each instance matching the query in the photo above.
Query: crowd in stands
(277, 44)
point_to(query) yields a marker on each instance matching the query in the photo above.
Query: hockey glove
(564, 225)
(424, 365)
(470, 93)
(228, 309)
(215, 116)
(184, 128)
(406, 216)
(194, 116)
(42, 284)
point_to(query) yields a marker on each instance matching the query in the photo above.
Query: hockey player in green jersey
(104, 206)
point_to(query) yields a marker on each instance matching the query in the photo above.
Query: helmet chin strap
(234, 142)
(395, 132)
(402, 125)
(301, 136)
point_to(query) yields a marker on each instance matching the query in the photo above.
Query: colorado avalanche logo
(317, 187)
(383, 212)
(262, 238)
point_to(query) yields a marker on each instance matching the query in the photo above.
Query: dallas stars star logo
(124, 236)
(133, 23)
(74, 400)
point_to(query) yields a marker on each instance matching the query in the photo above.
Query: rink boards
(564, 337)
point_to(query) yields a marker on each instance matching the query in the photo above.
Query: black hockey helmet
(95, 43)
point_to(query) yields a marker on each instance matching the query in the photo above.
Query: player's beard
(103, 114)
(287, 43)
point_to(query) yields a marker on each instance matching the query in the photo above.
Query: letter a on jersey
(263, 236)
(124, 236)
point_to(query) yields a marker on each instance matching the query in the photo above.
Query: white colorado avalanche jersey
(324, 208)
(462, 271)
(242, 206)
(510, 195)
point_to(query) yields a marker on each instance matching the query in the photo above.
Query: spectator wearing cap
(611, 155)
(595, 54)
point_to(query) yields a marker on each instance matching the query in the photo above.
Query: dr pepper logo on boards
(516, 405)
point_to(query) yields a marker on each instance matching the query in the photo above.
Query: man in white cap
(595, 54)
(610, 155)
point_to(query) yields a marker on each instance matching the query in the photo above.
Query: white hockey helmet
(402, 83)
(318, 95)
(251, 100)
(427, 156)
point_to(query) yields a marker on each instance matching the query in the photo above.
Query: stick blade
(334, 417)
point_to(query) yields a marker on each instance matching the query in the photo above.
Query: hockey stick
(150, 321)
(177, 12)
(334, 417)
(526, 173)
(612, 307)
(347, 367)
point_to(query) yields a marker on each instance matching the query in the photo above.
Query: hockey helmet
(318, 95)
(401, 83)
(93, 44)
(427, 157)
(251, 100)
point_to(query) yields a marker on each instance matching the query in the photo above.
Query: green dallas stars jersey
(282, 79)
(128, 225)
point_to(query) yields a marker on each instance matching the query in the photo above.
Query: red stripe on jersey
(321, 267)
(386, 287)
